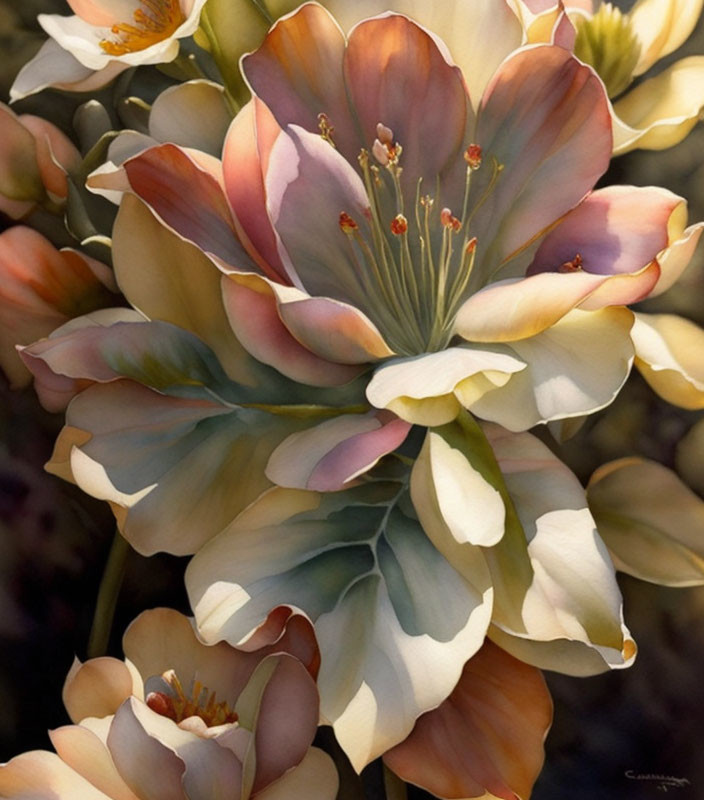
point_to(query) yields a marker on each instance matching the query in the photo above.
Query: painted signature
(662, 782)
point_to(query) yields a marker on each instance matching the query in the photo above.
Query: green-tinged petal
(669, 356)
(456, 491)
(361, 567)
(171, 467)
(487, 737)
(192, 114)
(651, 522)
(569, 610)
(662, 110)
(171, 280)
(661, 27)
(555, 384)
(690, 456)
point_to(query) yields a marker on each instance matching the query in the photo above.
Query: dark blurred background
(54, 541)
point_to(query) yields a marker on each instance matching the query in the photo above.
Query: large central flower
(374, 209)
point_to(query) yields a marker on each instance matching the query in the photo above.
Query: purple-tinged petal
(545, 118)
(297, 72)
(326, 457)
(616, 230)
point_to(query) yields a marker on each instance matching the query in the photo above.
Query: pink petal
(326, 457)
(616, 230)
(56, 154)
(309, 184)
(545, 117)
(397, 75)
(245, 160)
(297, 72)
(188, 199)
(251, 307)
(288, 719)
(487, 737)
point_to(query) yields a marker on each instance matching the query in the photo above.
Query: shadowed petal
(328, 456)
(486, 737)
(315, 778)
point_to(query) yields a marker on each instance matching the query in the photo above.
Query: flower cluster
(366, 275)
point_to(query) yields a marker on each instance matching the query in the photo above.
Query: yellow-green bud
(607, 42)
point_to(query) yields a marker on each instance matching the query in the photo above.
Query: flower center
(415, 263)
(154, 21)
(607, 42)
(175, 704)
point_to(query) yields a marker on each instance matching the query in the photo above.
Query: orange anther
(399, 225)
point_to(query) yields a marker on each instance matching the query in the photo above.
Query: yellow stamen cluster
(177, 705)
(154, 21)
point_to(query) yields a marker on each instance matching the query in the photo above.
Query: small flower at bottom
(242, 728)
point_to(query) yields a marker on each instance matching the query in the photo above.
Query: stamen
(473, 156)
(449, 221)
(347, 224)
(177, 705)
(155, 21)
(399, 225)
(572, 266)
(326, 128)
(384, 134)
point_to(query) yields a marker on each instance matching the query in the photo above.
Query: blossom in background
(659, 112)
(42, 288)
(35, 157)
(102, 39)
(177, 719)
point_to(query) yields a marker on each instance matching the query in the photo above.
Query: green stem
(107, 597)
(395, 787)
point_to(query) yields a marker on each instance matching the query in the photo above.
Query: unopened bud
(471, 245)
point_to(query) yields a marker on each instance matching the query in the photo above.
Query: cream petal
(486, 737)
(457, 492)
(661, 27)
(677, 256)
(651, 522)
(422, 389)
(33, 774)
(56, 67)
(315, 778)
(669, 356)
(333, 453)
(84, 752)
(96, 688)
(570, 595)
(662, 110)
(555, 384)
